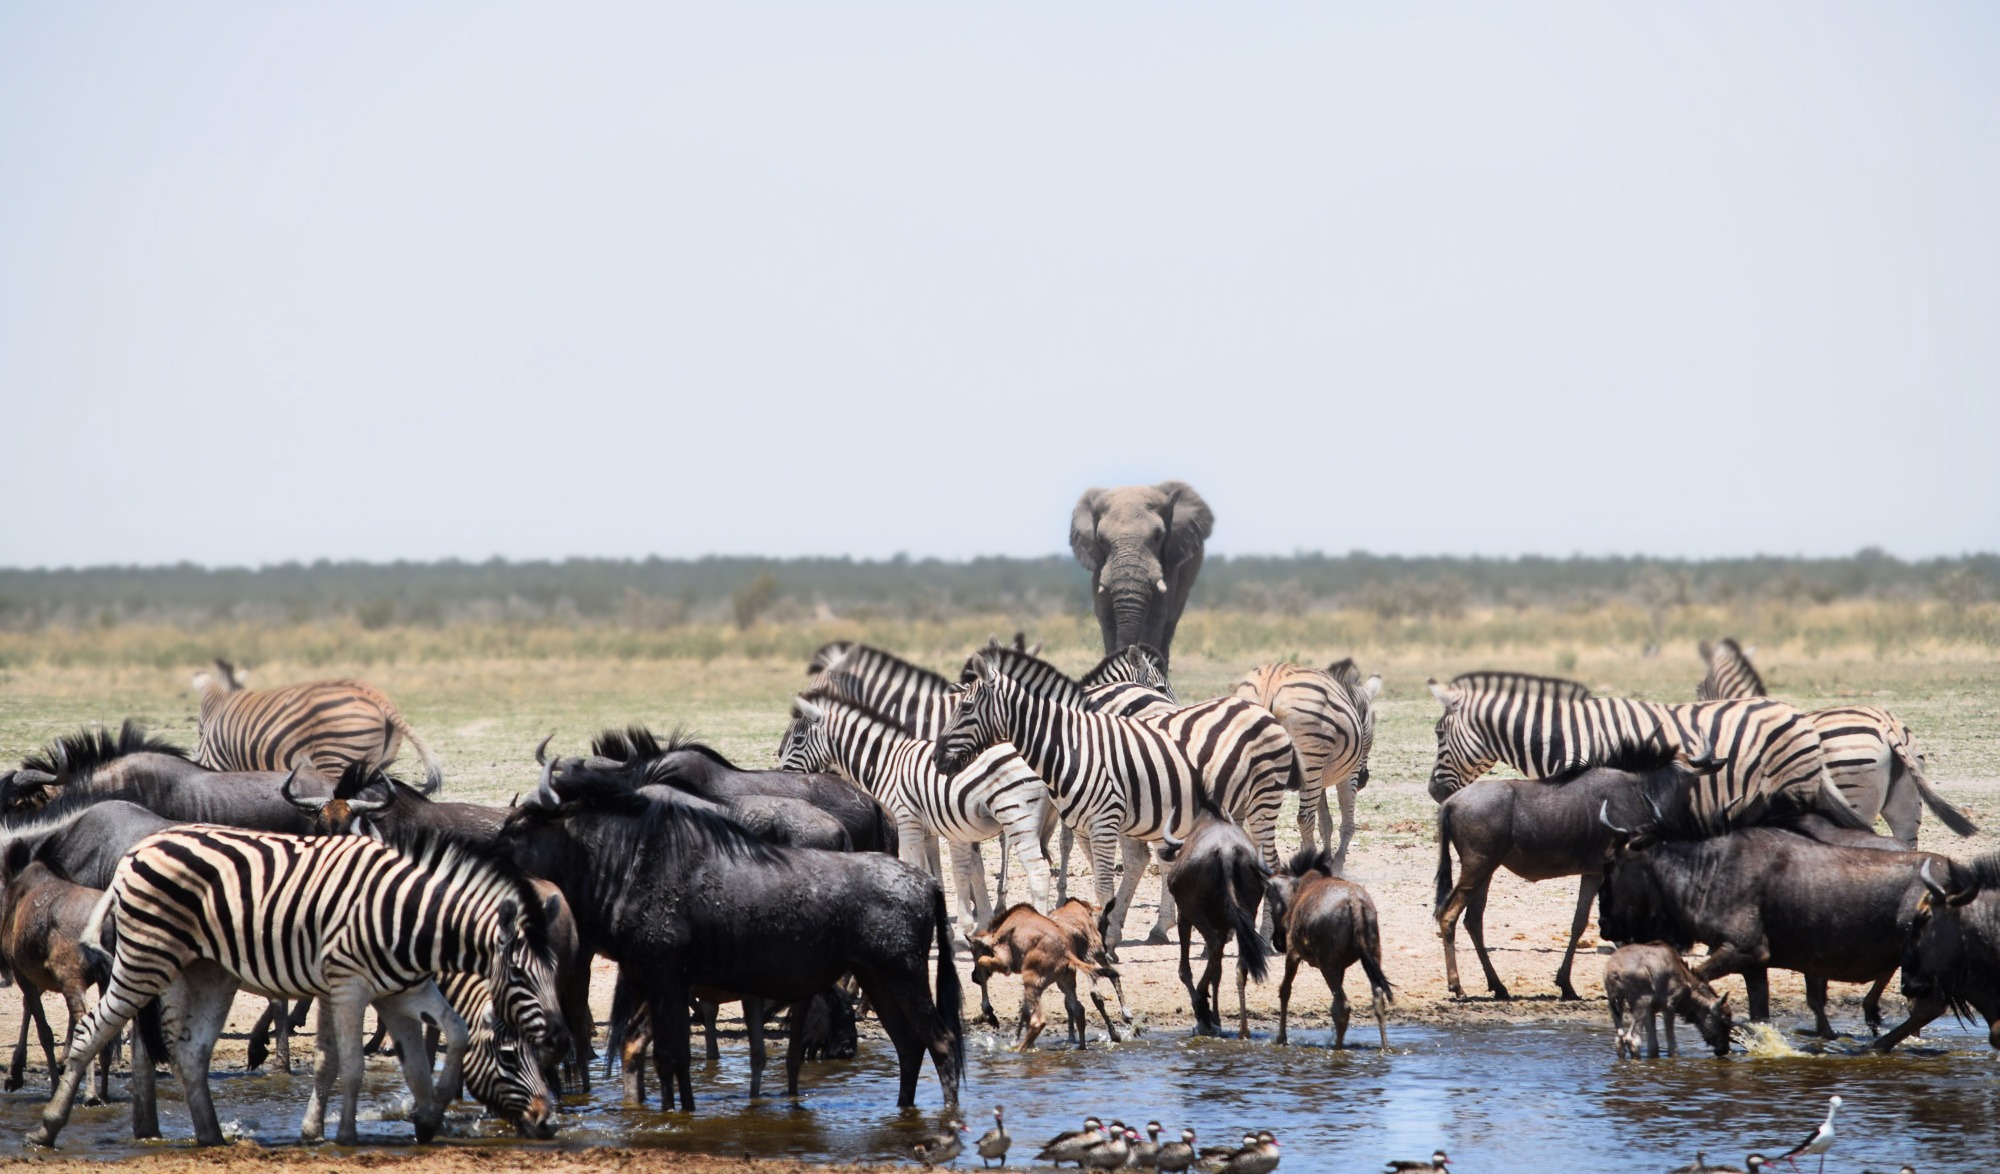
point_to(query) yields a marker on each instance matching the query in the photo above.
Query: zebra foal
(330, 724)
(345, 919)
(1330, 714)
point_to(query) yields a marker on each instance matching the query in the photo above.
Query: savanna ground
(483, 712)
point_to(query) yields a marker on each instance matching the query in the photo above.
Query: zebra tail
(433, 768)
(1444, 885)
(1251, 951)
(950, 1001)
(1835, 806)
(1949, 814)
(150, 1032)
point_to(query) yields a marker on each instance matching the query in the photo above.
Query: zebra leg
(1586, 892)
(126, 993)
(1103, 844)
(1021, 834)
(1345, 793)
(1312, 810)
(398, 1015)
(206, 991)
(931, 861)
(1903, 809)
(1068, 840)
(326, 1050)
(349, 1003)
(1000, 882)
(100, 1091)
(973, 910)
(1136, 858)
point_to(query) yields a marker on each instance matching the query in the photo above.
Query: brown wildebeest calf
(1330, 924)
(1026, 942)
(1086, 927)
(41, 918)
(1644, 981)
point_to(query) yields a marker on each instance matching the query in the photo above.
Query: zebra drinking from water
(345, 919)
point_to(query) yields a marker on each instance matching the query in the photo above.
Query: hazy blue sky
(406, 281)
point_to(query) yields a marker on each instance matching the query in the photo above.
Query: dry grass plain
(484, 715)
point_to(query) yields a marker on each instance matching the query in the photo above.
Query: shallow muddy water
(1498, 1098)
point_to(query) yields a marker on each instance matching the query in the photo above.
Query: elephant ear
(1083, 529)
(1189, 521)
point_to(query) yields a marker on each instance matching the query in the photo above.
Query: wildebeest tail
(1948, 813)
(950, 1002)
(1250, 948)
(1444, 859)
(624, 1005)
(1371, 953)
(887, 840)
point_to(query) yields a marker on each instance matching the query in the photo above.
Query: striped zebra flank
(328, 725)
(347, 920)
(996, 794)
(1137, 778)
(1128, 683)
(1870, 754)
(1330, 714)
(1544, 726)
(912, 696)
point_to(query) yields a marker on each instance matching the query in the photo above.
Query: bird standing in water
(1439, 1164)
(993, 1143)
(1176, 1156)
(1756, 1162)
(942, 1149)
(1820, 1141)
(1260, 1156)
(1146, 1154)
(1070, 1147)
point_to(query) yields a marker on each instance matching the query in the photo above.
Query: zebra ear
(1373, 687)
(1707, 651)
(983, 668)
(202, 681)
(508, 913)
(807, 710)
(1749, 652)
(1446, 695)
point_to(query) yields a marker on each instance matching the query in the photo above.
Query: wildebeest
(1951, 955)
(1217, 878)
(1087, 926)
(700, 770)
(42, 915)
(1647, 981)
(161, 778)
(365, 799)
(1330, 923)
(1763, 897)
(681, 899)
(1021, 940)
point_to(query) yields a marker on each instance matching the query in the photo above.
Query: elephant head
(1142, 545)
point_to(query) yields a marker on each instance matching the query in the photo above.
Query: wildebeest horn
(1930, 882)
(542, 749)
(29, 777)
(544, 795)
(305, 803)
(362, 806)
(1604, 817)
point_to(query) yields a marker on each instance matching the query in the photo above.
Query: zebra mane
(74, 757)
(1307, 860)
(680, 830)
(832, 692)
(441, 851)
(1561, 687)
(1740, 660)
(1345, 671)
(860, 652)
(1102, 672)
(1643, 758)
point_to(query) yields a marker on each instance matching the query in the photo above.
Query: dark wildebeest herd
(147, 885)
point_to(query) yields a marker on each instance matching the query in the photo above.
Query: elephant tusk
(1161, 584)
(1100, 588)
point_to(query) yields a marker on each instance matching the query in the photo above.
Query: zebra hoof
(42, 1136)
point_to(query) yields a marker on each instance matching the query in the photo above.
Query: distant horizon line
(1866, 553)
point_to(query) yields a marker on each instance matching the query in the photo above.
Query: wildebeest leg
(1732, 959)
(145, 1091)
(632, 1057)
(1474, 876)
(1187, 976)
(1032, 1020)
(259, 1047)
(1242, 999)
(1667, 1016)
(1871, 1006)
(1586, 892)
(1285, 995)
(1617, 1025)
(1381, 1013)
(1475, 925)
(1645, 1014)
(753, 1022)
(31, 1012)
(1079, 1019)
(1211, 979)
(575, 997)
(905, 1034)
(668, 1001)
(707, 1011)
(100, 1093)
(1922, 1011)
(1342, 1015)
(1816, 1000)
(1103, 1012)
(795, 1047)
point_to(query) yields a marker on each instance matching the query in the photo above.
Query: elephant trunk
(1134, 587)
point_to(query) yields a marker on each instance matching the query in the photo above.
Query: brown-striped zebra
(1330, 714)
(329, 725)
(1870, 754)
(1544, 726)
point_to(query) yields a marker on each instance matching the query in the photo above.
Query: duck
(1176, 1156)
(1258, 1157)
(1116, 1148)
(1070, 1147)
(1439, 1164)
(1213, 1157)
(993, 1143)
(1146, 1154)
(941, 1149)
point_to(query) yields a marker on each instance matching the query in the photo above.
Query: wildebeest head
(1952, 948)
(979, 721)
(363, 793)
(1284, 884)
(1716, 1023)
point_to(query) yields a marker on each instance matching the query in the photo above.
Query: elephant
(1142, 545)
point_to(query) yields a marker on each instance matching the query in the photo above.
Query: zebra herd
(221, 871)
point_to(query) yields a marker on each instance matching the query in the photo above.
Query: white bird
(1820, 1141)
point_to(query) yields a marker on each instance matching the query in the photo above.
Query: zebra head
(521, 972)
(1463, 753)
(805, 746)
(979, 720)
(502, 1073)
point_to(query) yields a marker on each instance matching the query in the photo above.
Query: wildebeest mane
(66, 808)
(1563, 686)
(1307, 860)
(1647, 757)
(681, 830)
(357, 777)
(636, 745)
(73, 757)
(833, 692)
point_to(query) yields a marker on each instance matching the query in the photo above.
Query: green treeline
(659, 593)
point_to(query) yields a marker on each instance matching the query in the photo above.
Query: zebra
(1330, 714)
(1544, 726)
(997, 794)
(345, 919)
(1129, 682)
(1871, 755)
(327, 724)
(500, 1066)
(1138, 778)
